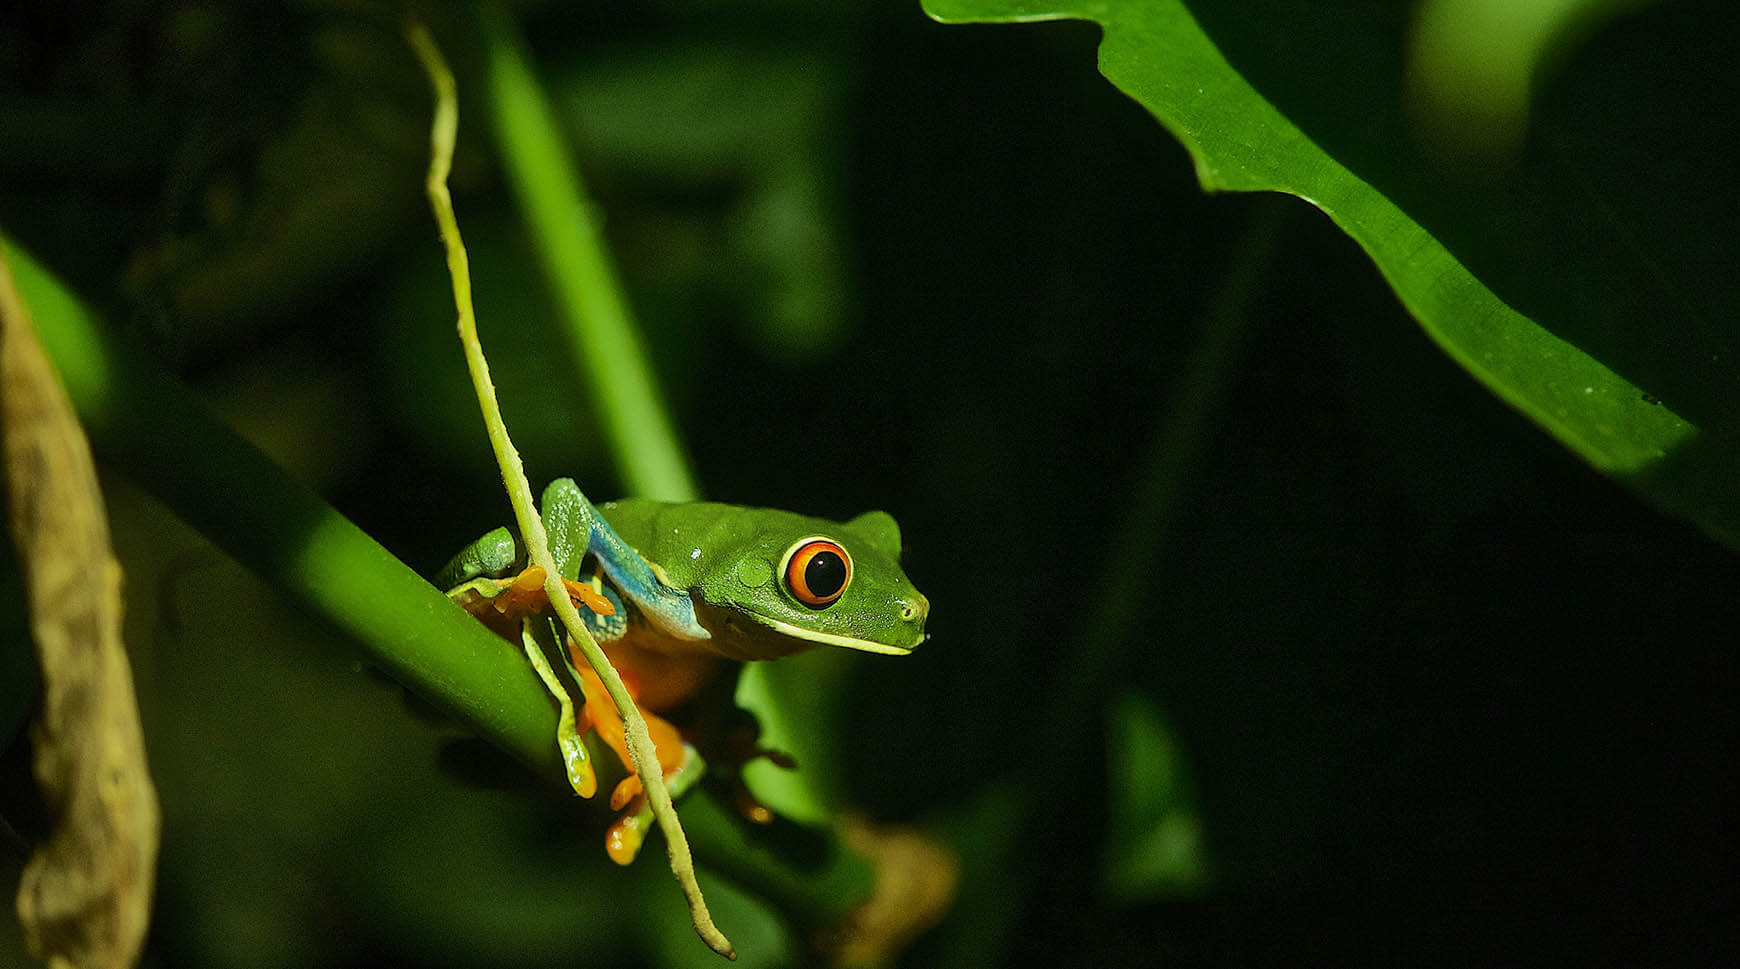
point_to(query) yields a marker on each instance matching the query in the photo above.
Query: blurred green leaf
(595, 319)
(1472, 66)
(1153, 842)
(729, 153)
(143, 420)
(1577, 284)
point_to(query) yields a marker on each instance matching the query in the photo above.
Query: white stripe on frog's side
(744, 636)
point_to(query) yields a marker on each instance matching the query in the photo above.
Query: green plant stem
(640, 746)
(145, 424)
(595, 319)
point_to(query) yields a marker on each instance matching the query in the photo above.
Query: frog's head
(784, 582)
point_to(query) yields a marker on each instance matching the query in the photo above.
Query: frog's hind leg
(678, 762)
(600, 714)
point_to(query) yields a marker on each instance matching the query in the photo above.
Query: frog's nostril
(915, 610)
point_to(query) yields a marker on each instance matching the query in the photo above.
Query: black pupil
(825, 574)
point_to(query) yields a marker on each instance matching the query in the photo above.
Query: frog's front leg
(577, 529)
(570, 740)
(517, 606)
(482, 578)
(519, 596)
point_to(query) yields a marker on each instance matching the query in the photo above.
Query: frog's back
(672, 535)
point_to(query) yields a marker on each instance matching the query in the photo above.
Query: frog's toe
(627, 790)
(584, 595)
(622, 842)
(748, 807)
(742, 748)
(575, 761)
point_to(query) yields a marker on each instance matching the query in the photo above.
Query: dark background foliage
(1446, 695)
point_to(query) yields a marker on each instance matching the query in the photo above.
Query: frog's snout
(915, 609)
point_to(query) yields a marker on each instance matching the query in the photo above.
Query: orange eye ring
(817, 571)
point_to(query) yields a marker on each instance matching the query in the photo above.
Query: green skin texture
(728, 562)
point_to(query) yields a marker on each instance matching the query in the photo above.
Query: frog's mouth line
(832, 639)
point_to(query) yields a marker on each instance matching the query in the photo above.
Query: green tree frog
(673, 591)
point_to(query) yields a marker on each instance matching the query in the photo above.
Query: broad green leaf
(1576, 262)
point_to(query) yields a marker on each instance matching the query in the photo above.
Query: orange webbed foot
(523, 595)
(626, 835)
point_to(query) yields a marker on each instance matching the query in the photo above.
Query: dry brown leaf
(916, 878)
(85, 898)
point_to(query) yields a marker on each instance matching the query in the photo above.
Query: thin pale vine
(640, 747)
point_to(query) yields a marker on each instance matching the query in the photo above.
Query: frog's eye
(817, 570)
